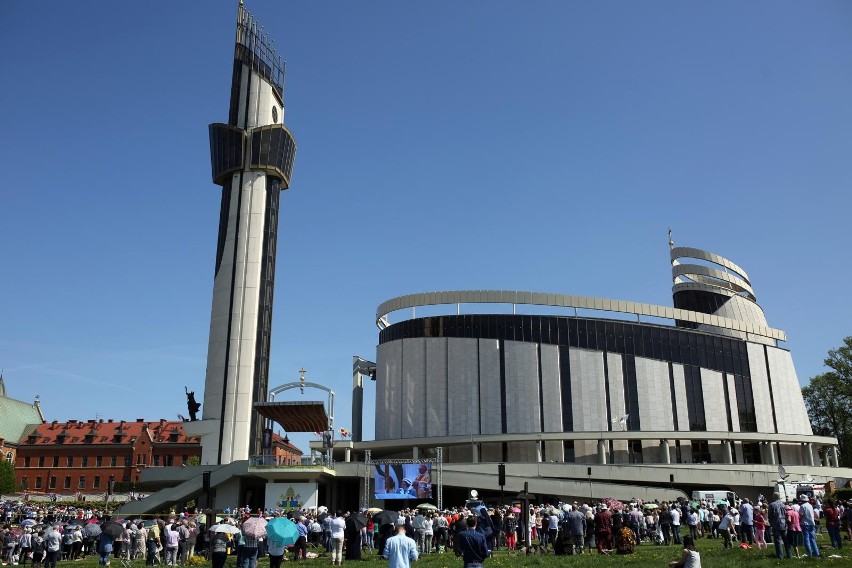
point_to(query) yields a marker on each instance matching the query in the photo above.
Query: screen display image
(403, 481)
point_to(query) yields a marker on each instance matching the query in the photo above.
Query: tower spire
(671, 242)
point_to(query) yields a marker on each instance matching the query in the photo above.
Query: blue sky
(542, 146)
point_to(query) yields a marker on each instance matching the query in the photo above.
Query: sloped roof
(16, 415)
(104, 432)
(279, 440)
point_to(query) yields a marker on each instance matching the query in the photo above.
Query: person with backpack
(38, 548)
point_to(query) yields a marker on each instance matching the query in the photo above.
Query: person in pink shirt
(794, 530)
(759, 528)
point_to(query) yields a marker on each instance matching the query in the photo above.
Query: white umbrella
(230, 529)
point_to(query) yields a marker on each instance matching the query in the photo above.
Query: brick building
(81, 457)
(284, 452)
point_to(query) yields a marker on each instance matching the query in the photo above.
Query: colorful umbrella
(282, 530)
(27, 523)
(427, 507)
(255, 527)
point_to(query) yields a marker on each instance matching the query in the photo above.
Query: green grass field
(712, 556)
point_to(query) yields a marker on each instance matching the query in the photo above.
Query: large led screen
(403, 481)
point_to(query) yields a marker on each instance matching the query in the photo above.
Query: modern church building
(695, 394)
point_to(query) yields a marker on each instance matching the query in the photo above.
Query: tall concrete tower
(252, 159)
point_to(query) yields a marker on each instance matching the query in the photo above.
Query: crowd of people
(49, 534)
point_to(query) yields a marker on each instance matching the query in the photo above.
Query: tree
(828, 398)
(7, 478)
(840, 360)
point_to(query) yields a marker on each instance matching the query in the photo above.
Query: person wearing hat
(400, 549)
(405, 488)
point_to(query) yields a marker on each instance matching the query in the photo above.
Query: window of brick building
(55, 461)
(128, 461)
(24, 483)
(70, 461)
(67, 484)
(27, 462)
(38, 482)
(99, 461)
(51, 482)
(84, 461)
(82, 483)
(156, 460)
(96, 483)
(113, 461)
(41, 461)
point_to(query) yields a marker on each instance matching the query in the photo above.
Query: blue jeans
(249, 558)
(809, 534)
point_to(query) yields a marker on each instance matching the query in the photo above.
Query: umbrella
(17, 531)
(427, 507)
(255, 527)
(360, 520)
(516, 510)
(92, 530)
(230, 529)
(27, 523)
(651, 506)
(385, 517)
(93, 521)
(374, 510)
(72, 527)
(322, 509)
(282, 530)
(112, 528)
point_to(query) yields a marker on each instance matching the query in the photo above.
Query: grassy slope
(712, 556)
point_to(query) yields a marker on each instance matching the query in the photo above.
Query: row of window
(113, 461)
(67, 483)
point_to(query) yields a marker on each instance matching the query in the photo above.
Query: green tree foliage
(7, 478)
(828, 398)
(840, 361)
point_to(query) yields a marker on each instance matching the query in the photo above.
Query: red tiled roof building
(81, 457)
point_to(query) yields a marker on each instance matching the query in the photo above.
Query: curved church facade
(606, 382)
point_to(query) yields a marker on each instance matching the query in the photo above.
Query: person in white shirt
(690, 558)
(676, 523)
(338, 527)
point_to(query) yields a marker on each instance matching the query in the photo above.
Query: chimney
(109, 421)
(140, 420)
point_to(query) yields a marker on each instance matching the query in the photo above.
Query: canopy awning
(297, 416)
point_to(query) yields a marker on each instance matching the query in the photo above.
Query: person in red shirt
(603, 530)
(832, 523)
